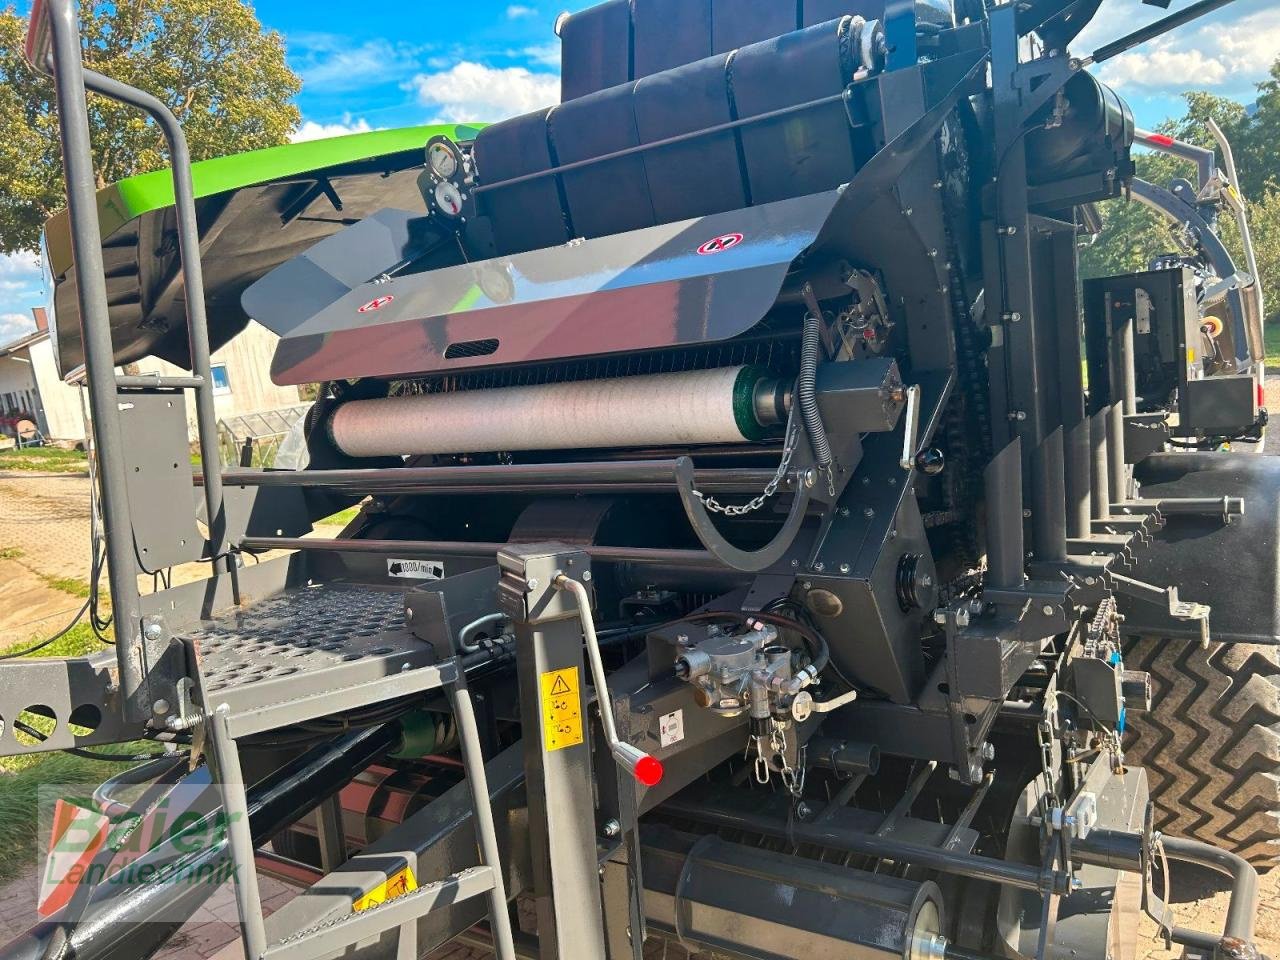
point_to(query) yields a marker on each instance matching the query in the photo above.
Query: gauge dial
(442, 159)
(448, 198)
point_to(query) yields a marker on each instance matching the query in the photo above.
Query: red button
(649, 771)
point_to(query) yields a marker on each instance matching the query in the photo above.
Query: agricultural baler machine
(766, 544)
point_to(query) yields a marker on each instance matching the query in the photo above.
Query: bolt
(1013, 317)
(612, 828)
(868, 513)
(940, 617)
(153, 631)
(844, 511)
(1017, 415)
(988, 751)
(160, 707)
(532, 584)
(1026, 514)
(795, 564)
(1077, 883)
(1009, 231)
(1048, 610)
(845, 568)
(908, 211)
(806, 585)
(926, 581)
(803, 810)
(1090, 581)
(586, 576)
(408, 614)
(937, 184)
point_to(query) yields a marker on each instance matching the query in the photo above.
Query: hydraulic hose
(807, 391)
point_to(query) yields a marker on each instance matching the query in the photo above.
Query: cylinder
(729, 897)
(1100, 493)
(723, 405)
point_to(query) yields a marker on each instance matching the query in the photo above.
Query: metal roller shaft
(724, 405)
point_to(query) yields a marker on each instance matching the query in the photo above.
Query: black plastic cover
(804, 152)
(595, 49)
(736, 23)
(526, 216)
(668, 33)
(697, 177)
(608, 197)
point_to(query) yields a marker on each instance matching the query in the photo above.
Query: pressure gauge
(444, 158)
(448, 198)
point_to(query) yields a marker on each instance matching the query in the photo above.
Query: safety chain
(788, 452)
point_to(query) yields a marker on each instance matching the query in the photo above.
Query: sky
(388, 64)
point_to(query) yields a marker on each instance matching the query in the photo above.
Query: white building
(30, 386)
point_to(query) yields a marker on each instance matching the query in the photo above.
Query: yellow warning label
(396, 885)
(561, 709)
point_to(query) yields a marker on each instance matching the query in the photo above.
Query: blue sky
(386, 64)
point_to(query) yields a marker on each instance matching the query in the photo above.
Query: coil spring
(807, 388)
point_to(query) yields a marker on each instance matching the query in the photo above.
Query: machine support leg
(558, 769)
(486, 832)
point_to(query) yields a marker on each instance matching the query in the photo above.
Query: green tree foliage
(1133, 235)
(208, 60)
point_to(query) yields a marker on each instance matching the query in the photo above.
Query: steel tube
(456, 548)
(624, 476)
(99, 352)
(1100, 487)
(193, 281)
(1153, 30)
(157, 382)
(931, 858)
(1117, 479)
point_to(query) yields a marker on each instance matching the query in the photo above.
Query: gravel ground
(47, 519)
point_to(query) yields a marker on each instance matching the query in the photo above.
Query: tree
(209, 60)
(1133, 235)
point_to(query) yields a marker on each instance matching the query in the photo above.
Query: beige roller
(695, 407)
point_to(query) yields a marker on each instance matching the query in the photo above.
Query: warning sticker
(720, 244)
(416, 569)
(397, 885)
(561, 709)
(671, 728)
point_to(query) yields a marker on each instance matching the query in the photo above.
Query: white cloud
(544, 54)
(518, 10)
(1164, 69)
(472, 91)
(15, 326)
(1228, 53)
(329, 63)
(311, 130)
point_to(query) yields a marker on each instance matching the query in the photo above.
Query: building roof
(25, 342)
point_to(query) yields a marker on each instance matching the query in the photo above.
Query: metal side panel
(696, 281)
(1233, 566)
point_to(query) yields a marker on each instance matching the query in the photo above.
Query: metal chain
(788, 452)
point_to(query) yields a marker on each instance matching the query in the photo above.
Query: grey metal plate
(309, 653)
(162, 500)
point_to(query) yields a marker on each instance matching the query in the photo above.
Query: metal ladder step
(336, 936)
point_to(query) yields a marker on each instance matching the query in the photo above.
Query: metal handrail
(54, 47)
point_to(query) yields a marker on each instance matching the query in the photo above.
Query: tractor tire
(1211, 743)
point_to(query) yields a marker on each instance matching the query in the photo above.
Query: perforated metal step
(309, 653)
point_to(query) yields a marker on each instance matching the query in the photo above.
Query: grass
(1271, 337)
(44, 460)
(72, 585)
(341, 518)
(11, 553)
